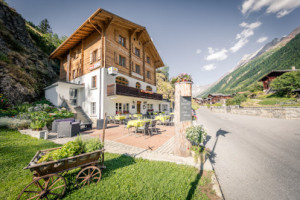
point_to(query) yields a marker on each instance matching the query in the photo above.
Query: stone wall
(270, 112)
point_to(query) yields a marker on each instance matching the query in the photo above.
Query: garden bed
(124, 177)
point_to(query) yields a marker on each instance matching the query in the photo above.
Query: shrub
(22, 108)
(37, 124)
(195, 134)
(8, 113)
(286, 83)
(237, 100)
(14, 123)
(4, 104)
(73, 148)
(256, 87)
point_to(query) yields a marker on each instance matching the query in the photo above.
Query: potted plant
(184, 77)
(197, 135)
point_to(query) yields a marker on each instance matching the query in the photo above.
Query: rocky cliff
(24, 67)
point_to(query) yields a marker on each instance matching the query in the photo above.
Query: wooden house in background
(268, 78)
(218, 97)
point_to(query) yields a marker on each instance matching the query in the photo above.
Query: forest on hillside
(275, 59)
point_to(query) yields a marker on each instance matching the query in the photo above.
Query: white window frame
(93, 108)
(92, 82)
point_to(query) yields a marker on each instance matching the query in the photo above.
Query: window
(148, 60)
(138, 69)
(138, 85)
(125, 108)
(122, 61)
(148, 88)
(164, 107)
(93, 108)
(94, 59)
(149, 106)
(121, 80)
(122, 41)
(137, 52)
(94, 81)
(74, 73)
(118, 108)
(148, 75)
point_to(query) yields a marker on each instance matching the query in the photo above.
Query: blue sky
(205, 38)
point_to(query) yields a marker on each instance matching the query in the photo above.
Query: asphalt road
(254, 157)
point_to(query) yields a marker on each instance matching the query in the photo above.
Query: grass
(124, 178)
(271, 100)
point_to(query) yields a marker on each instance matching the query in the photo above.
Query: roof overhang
(96, 22)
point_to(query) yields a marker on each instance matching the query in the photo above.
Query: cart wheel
(88, 175)
(51, 186)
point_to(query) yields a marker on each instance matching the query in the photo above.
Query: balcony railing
(116, 89)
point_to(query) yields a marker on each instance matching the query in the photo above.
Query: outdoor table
(137, 123)
(162, 118)
(137, 115)
(120, 117)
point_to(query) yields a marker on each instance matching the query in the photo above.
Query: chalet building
(218, 97)
(268, 78)
(108, 65)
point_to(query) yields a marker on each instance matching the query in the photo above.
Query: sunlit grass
(124, 177)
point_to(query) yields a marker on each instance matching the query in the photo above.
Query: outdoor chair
(126, 123)
(68, 129)
(169, 121)
(153, 127)
(110, 120)
(144, 128)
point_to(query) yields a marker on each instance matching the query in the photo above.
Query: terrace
(117, 89)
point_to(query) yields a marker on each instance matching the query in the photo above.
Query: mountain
(199, 89)
(278, 54)
(24, 65)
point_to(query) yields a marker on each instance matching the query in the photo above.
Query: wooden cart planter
(48, 183)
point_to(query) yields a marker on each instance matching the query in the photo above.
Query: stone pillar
(183, 117)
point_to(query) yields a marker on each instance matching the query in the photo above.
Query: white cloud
(262, 39)
(215, 54)
(198, 51)
(246, 33)
(239, 44)
(209, 67)
(280, 7)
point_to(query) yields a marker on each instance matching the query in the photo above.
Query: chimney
(293, 68)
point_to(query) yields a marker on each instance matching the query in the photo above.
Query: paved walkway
(163, 153)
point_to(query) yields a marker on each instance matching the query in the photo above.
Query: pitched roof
(276, 73)
(99, 17)
(220, 94)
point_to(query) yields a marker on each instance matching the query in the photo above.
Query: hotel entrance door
(138, 107)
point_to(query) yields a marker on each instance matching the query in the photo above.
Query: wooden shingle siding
(102, 33)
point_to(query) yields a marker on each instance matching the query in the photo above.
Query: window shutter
(116, 58)
(99, 53)
(91, 57)
(116, 36)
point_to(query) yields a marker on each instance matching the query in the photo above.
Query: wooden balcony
(116, 89)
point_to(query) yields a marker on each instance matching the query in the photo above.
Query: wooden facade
(106, 40)
(215, 98)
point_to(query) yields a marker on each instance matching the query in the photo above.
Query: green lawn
(124, 178)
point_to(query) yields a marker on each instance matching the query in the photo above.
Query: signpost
(185, 108)
(183, 117)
